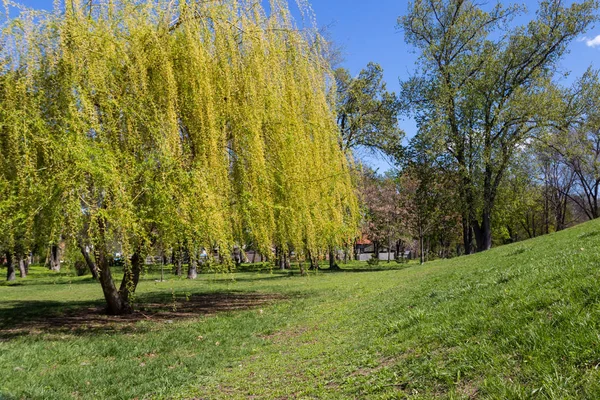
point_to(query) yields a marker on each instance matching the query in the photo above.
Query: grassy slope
(520, 321)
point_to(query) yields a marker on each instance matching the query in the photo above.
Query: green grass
(518, 322)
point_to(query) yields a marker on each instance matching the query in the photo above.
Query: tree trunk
(376, 249)
(131, 278)
(314, 261)
(467, 235)
(178, 261)
(10, 273)
(114, 305)
(21, 262)
(192, 265)
(28, 261)
(88, 260)
(332, 264)
(421, 247)
(483, 232)
(280, 258)
(55, 257)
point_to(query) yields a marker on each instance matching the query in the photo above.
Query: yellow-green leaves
(199, 122)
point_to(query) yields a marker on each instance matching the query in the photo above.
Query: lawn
(520, 321)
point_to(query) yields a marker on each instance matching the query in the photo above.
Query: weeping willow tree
(30, 175)
(154, 125)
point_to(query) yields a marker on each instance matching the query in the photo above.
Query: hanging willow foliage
(205, 124)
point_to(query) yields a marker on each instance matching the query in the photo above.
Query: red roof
(363, 240)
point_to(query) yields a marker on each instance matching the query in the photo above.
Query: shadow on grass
(396, 267)
(20, 318)
(40, 281)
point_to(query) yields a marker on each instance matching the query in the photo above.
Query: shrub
(374, 260)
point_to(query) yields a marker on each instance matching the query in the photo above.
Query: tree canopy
(138, 125)
(481, 87)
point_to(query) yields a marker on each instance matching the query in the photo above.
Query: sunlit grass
(521, 321)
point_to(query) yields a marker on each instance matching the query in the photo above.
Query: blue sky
(367, 32)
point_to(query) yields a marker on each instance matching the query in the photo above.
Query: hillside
(520, 321)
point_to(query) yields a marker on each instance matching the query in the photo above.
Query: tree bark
(483, 232)
(28, 261)
(193, 265)
(10, 273)
(332, 264)
(314, 261)
(178, 261)
(55, 258)
(421, 247)
(22, 269)
(467, 235)
(131, 278)
(88, 260)
(114, 305)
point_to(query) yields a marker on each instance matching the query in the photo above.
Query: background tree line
(122, 131)
(502, 152)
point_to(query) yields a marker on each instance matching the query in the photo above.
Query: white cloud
(595, 42)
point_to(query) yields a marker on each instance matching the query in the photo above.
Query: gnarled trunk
(114, 305)
(118, 302)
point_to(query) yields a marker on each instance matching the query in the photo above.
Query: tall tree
(205, 123)
(483, 88)
(367, 114)
(383, 221)
(574, 139)
(427, 187)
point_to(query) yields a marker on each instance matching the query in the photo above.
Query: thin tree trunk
(314, 261)
(421, 246)
(26, 262)
(88, 260)
(21, 262)
(10, 273)
(332, 264)
(178, 261)
(131, 278)
(192, 265)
